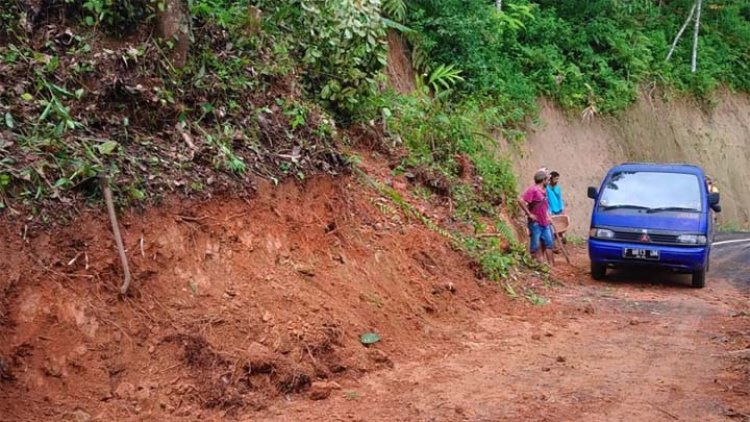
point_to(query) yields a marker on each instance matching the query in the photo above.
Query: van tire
(598, 271)
(699, 279)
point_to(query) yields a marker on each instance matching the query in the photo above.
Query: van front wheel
(598, 271)
(699, 279)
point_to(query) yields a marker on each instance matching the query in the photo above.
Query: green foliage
(473, 34)
(534, 298)
(78, 106)
(395, 9)
(442, 78)
(116, 17)
(340, 44)
(586, 54)
(10, 19)
(436, 131)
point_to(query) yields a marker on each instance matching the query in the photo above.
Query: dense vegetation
(97, 88)
(583, 53)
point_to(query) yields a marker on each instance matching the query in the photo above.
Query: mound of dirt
(235, 303)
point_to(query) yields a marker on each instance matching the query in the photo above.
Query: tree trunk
(173, 25)
(679, 34)
(694, 63)
(499, 4)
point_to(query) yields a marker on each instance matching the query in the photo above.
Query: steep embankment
(652, 130)
(234, 304)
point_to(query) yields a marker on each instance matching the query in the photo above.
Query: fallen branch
(118, 237)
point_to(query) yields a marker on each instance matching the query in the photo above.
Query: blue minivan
(657, 215)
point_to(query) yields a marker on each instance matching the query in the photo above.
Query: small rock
(634, 322)
(55, 367)
(143, 392)
(267, 316)
(151, 349)
(81, 416)
(320, 390)
(450, 287)
(561, 359)
(536, 337)
(546, 369)
(124, 390)
(548, 334)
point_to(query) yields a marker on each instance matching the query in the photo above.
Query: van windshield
(652, 192)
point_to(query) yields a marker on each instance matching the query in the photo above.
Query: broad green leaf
(107, 147)
(62, 182)
(369, 338)
(9, 120)
(26, 97)
(397, 26)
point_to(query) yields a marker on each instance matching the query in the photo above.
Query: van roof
(664, 167)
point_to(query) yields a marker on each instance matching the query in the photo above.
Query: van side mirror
(592, 193)
(713, 198)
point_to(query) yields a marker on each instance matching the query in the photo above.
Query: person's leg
(535, 233)
(548, 241)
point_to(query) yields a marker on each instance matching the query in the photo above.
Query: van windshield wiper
(619, 206)
(665, 209)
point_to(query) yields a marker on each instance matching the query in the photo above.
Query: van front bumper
(680, 258)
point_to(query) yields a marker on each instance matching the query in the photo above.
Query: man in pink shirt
(534, 204)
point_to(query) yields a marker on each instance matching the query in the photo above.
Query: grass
(731, 227)
(576, 240)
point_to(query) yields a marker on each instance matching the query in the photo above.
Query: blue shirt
(555, 199)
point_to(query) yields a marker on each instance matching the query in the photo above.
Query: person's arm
(525, 207)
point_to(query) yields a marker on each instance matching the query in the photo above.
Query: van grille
(654, 237)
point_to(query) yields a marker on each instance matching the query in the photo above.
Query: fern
(444, 77)
(395, 9)
(420, 57)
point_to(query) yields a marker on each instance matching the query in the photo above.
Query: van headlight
(691, 239)
(602, 234)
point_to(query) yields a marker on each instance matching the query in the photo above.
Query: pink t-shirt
(536, 197)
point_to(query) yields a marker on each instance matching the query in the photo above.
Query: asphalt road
(730, 259)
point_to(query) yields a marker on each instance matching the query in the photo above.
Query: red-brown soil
(252, 310)
(234, 304)
(621, 350)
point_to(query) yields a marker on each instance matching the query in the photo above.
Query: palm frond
(444, 77)
(395, 9)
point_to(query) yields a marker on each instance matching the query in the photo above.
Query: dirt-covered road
(640, 346)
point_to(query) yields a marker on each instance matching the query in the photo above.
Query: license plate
(648, 254)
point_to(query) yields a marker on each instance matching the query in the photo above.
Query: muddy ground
(635, 348)
(252, 310)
